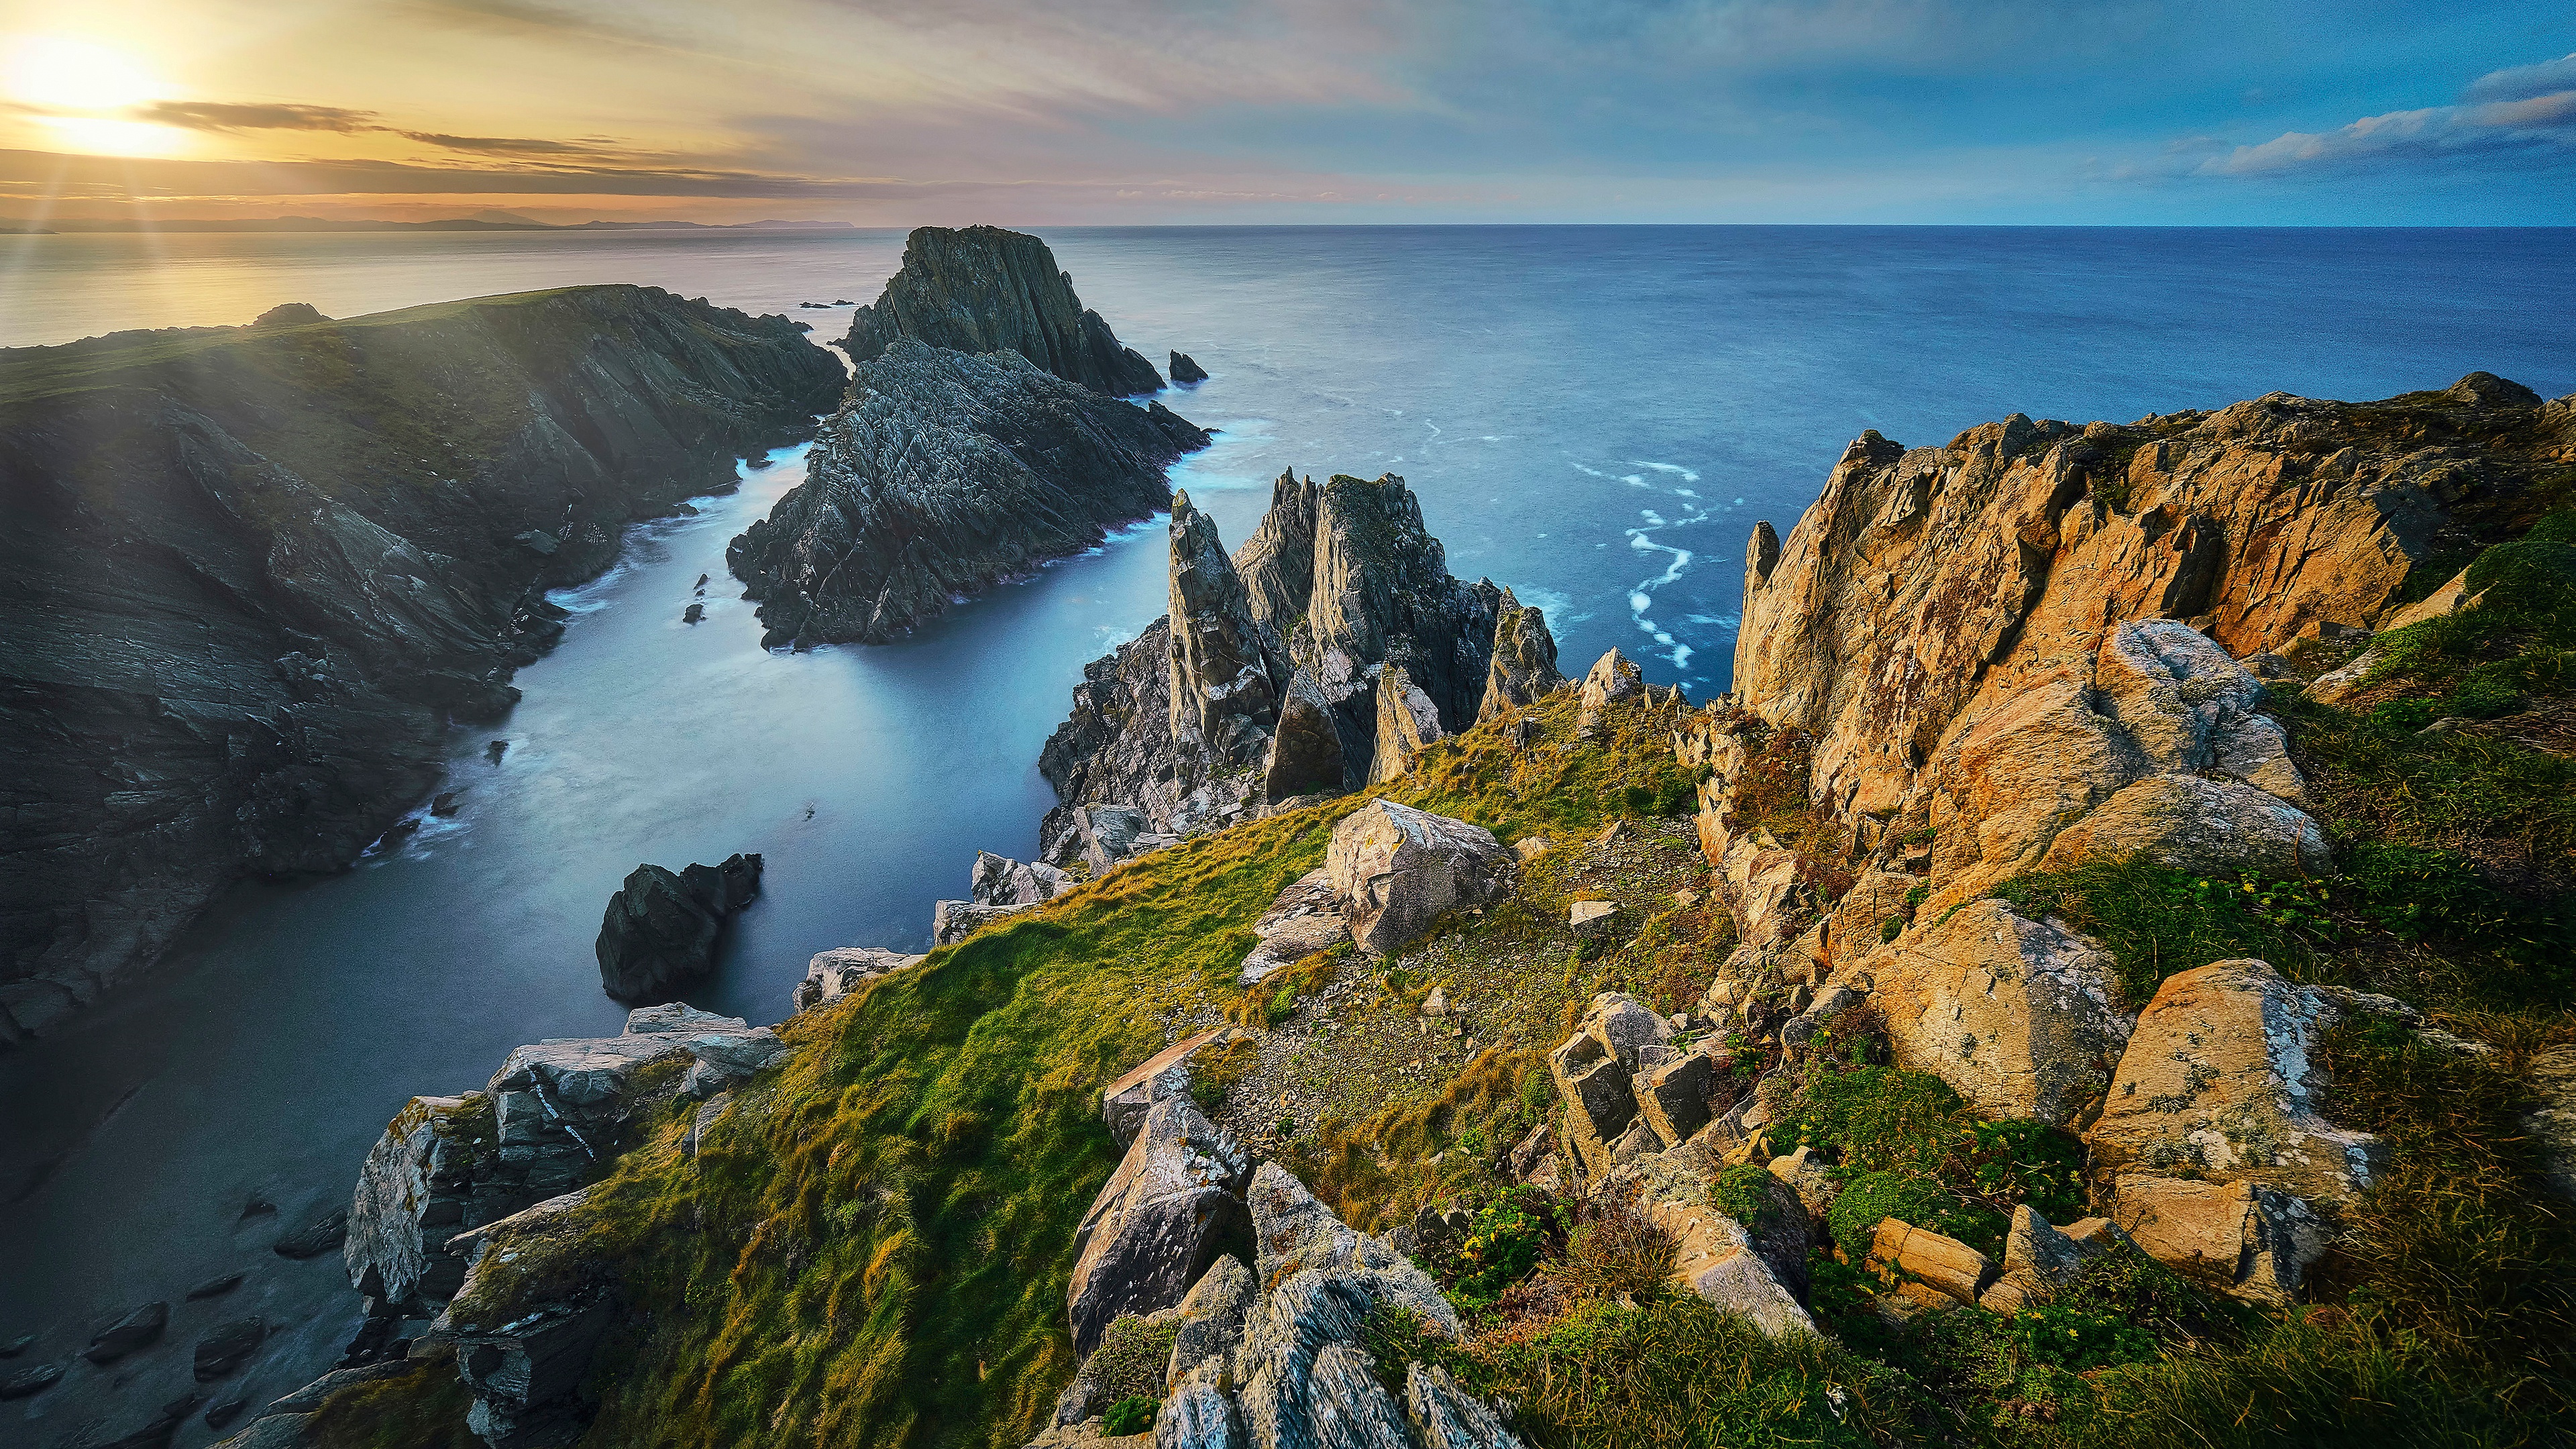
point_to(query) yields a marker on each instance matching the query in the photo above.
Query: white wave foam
(1687, 475)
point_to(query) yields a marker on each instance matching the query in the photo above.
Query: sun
(54, 70)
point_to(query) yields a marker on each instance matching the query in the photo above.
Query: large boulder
(417, 1190)
(1595, 1072)
(2022, 1017)
(2192, 823)
(1524, 666)
(2248, 1239)
(1212, 1318)
(2223, 1081)
(1162, 1217)
(1399, 868)
(1757, 1269)
(954, 921)
(661, 930)
(2191, 708)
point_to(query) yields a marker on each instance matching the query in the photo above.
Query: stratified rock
(1594, 1071)
(246, 611)
(2021, 1017)
(1159, 1220)
(228, 1346)
(1199, 1416)
(1227, 668)
(1524, 663)
(943, 475)
(1756, 1269)
(2191, 823)
(661, 930)
(1407, 721)
(1448, 1417)
(1185, 369)
(1277, 563)
(135, 1330)
(215, 1287)
(983, 289)
(1382, 593)
(1919, 1255)
(1399, 868)
(532, 1311)
(835, 973)
(2223, 1077)
(418, 1189)
(1305, 1378)
(954, 921)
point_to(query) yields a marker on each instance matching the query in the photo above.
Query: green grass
(424, 1409)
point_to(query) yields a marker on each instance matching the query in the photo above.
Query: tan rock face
(2022, 1017)
(1406, 722)
(1944, 1264)
(2220, 1081)
(2251, 1240)
(2195, 824)
(1934, 588)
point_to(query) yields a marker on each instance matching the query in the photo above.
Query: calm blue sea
(1593, 416)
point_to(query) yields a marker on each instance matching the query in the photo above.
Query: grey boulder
(1399, 868)
(1158, 1222)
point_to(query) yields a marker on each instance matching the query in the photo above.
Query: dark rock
(228, 1347)
(983, 289)
(28, 1381)
(162, 1427)
(943, 475)
(447, 803)
(227, 1406)
(298, 314)
(316, 1237)
(24, 1342)
(495, 750)
(1306, 748)
(693, 613)
(135, 1330)
(1185, 369)
(249, 617)
(257, 1206)
(218, 1286)
(662, 930)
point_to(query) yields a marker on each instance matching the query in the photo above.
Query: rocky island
(262, 568)
(983, 436)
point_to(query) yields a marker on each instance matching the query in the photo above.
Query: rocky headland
(1320, 656)
(981, 438)
(259, 570)
(2176, 1040)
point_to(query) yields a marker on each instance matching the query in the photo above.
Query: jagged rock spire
(1383, 592)
(1278, 561)
(1406, 722)
(1227, 669)
(1524, 664)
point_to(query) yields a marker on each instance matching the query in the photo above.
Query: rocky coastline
(264, 568)
(983, 436)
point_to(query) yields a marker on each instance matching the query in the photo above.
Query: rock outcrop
(984, 289)
(1397, 869)
(1210, 716)
(1185, 369)
(1161, 1219)
(251, 603)
(661, 930)
(944, 474)
(2023, 1017)
(1524, 660)
(835, 973)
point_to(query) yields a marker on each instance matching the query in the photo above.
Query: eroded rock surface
(1398, 868)
(1159, 1221)
(984, 289)
(2022, 1017)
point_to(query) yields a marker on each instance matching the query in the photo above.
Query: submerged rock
(661, 930)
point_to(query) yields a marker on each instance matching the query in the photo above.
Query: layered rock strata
(1267, 681)
(984, 289)
(260, 570)
(944, 474)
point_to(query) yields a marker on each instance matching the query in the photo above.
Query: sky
(1061, 112)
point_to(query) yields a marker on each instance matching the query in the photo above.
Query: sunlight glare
(102, 136)
(53, 70)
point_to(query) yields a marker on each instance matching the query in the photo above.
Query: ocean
(1592, 416)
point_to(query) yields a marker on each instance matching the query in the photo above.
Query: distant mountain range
(462, 223)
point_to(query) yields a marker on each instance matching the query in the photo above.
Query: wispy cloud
(230, 116)
(2520, 111)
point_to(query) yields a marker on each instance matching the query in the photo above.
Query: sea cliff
(259, 570)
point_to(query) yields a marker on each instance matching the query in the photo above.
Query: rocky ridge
(263, 568)
(982, 289)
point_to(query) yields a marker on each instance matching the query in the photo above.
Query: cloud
(224, 116)
(2524, 111)
(2522, 82)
